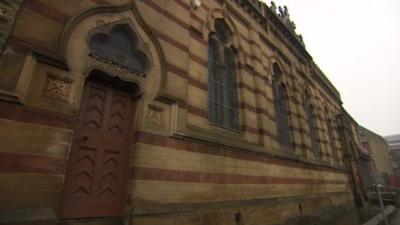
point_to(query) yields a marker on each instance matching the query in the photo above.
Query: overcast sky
(357, 45)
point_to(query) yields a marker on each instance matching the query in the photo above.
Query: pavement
(349, 219)
(378, 219)
(395, 220)
(352, 218)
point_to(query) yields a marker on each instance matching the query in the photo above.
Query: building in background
(167, 112)
(377, 146)
(394, 148)
(356, 158)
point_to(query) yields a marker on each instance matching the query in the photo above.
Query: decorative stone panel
(56, 88)
(154, 115)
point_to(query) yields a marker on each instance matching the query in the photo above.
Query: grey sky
(357, 45)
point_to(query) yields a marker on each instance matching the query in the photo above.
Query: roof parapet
(281, 13)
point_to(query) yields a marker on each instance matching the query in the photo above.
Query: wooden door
(96, 175)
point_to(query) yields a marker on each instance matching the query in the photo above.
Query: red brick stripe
(196, 18)
(198, 59)
(195, 35)
(255, 91)
(156, 174)
(198, 84)
(254, 109)
(183, 4)
(46, 11)
(177, 71)
(20, 163)
(253, 72)
(34, 115)
(205, 7)
(197, 111)
(18, 46)
(168, 14)
(224, 151)
(170, 40)
(204, 114)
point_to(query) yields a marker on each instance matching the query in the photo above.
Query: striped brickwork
(182, 168)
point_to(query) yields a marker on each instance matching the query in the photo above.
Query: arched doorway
(97, 171)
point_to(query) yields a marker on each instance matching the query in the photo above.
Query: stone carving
(117, 63)
(57, 89)
(154, 115)
(273, 7)
(284, 16)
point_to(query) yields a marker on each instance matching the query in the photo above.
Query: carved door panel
(97, 168)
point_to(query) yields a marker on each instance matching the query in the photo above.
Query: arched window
(120, 46)
(332, 143)
(222, 109)
(281, 108)
(312, 126)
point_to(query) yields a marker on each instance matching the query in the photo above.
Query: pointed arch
(82, 25)
(272, 60)
(276, 60)
(222, 13)
(309, 94)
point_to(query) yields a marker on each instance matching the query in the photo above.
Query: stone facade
(182, 168)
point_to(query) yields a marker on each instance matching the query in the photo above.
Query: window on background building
(222, 107)
(281, 108)
(312, 126)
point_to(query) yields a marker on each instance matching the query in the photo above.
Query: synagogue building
(150, 112)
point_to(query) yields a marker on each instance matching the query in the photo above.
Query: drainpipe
(379, 194)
